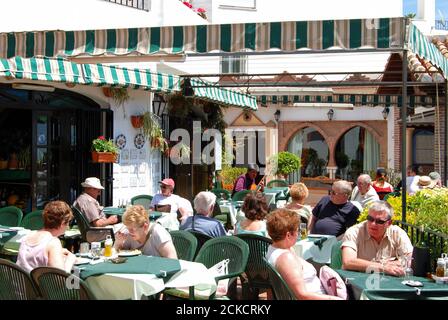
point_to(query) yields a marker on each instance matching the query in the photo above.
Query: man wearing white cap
(90, 207)
(170, 203)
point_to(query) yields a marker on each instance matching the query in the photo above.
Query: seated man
(376, 240)
(170, 203)
(334, 214)
(364, 193)
(90, 207)
(247, 181)
(202, 222)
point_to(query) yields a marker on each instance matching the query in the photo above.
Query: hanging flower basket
(137, 121)
(104, 157)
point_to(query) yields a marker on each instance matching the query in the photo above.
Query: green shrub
(229, 174)
(284, 163)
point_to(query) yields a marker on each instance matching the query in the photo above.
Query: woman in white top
(152, 239)
(300, 275)
(42, 248)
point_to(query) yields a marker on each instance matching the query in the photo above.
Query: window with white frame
(234, 64)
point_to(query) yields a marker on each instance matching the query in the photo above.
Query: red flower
(187, 4)
(201, 10)
(102, 137)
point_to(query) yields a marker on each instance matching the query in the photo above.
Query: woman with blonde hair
(299, 193)
(42, 248)
(300, 275)
(151, 238)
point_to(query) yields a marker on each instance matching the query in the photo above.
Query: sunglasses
(377, 221)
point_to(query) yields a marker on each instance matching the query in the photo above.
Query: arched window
(312, 149)
(356, 152)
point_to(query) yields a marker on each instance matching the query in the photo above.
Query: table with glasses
(108, 211)
(374, 286)
(145, 276)
(316, 247)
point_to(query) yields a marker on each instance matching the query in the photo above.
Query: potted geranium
(104, 150)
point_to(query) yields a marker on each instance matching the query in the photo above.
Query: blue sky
(410, 6)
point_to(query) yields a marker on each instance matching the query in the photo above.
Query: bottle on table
(440, 270)
(108, 246)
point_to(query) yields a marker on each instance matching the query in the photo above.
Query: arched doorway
(313, 151)
(50, 134)
(357, 151)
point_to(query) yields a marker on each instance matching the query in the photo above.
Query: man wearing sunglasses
(368, 243)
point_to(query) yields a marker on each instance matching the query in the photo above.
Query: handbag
(221, 269)
(332, 282)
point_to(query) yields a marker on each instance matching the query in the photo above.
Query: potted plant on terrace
(104, 150)
(284, 163)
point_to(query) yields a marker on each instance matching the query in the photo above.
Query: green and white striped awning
(419, 44)
(359, 100)
(206, 91)
(286, 36)
(61, 70)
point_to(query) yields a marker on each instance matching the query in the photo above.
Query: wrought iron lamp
(330, 114)
(385, 112)
(277, 115)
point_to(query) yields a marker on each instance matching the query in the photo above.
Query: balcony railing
(136, 4)
(441, 25)
(436, 242)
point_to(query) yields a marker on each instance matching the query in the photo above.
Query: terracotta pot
(13, 163)
(104, 157)
(137, 121)
(107, 92)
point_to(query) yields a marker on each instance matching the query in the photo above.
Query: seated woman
(255, 210)
(381, 186)
(151, 238)
(42, 248)
(300, 275)
(299, 192)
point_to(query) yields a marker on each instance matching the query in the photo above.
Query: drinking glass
(408, 271)
(383, 261)
(84, 248)
(95, 250)
(303, 231)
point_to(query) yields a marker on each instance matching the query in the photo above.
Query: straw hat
(425, 182)
(92, 182)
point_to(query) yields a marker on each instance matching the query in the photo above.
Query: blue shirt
(205, 225)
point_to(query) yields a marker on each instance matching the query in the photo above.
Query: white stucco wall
(31, 15)
(288, 10)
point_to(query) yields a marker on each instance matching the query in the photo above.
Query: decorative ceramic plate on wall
(120, 141)
(139, 141)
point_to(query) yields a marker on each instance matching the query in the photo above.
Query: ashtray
(118, 260)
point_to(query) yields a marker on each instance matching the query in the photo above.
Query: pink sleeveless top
(33, 256)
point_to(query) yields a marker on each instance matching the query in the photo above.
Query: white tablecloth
(121, 286)
(307, 249)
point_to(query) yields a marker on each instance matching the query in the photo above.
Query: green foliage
(101, 144)
(284, 163)
(229, 174)
(342, 160)
(427, 208)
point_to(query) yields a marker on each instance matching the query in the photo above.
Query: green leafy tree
(284, 163)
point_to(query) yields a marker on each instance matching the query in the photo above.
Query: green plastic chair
(52, 284)
(240, 195)
(16, 283)
(202, 238)
(256, 270)
(89, 233)
(279, 287)
(185, 244)
(215, 251)
(222, 194)
(336, 255)
(142, 199)
(10, 216)
(277, 183)
(33, 220)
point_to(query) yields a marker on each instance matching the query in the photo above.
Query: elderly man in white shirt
(364, 193)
